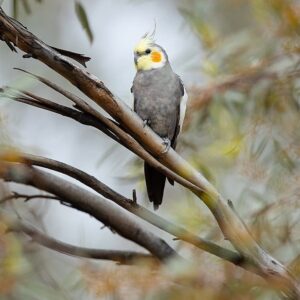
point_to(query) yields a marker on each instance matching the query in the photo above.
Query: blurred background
(239, 61)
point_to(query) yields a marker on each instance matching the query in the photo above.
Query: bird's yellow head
(148, 55)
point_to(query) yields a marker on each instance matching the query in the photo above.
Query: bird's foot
(167, 143)
(146, 122)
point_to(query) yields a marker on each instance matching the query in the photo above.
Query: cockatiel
(160, 100)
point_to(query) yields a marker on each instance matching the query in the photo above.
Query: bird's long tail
(155, 183)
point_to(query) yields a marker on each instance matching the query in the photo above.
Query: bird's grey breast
(157, 95)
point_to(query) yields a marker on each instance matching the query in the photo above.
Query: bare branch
(98, 121)
(36, 101)
(88, 202)
(133, 207)
(26, 198)
(125, 257)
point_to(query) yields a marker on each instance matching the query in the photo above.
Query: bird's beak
(136, 57)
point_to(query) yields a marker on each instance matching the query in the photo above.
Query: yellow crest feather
(148, 55)
(145, 42)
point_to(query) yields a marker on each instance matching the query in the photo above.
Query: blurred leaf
(37, 290)
(210, 68)
(82, 16)
(15, 9)
(257, 150)
(283, 156)
(26, 6)
(12, 264)
(294, 267)
(107, 154)
(205, 30)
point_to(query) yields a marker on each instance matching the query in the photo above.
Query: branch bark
(89, 116)
(15, 35)
(131, 206)
(90, 203)
(124, 257)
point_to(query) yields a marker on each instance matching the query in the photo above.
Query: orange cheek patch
(156, 57)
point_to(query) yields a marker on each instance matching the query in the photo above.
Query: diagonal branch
(131, 206)
(36, 101)
(90, 203)
(125, 257)
(91, 117)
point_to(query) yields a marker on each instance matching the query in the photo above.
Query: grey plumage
(157, 97)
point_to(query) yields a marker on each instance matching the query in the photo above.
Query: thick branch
(90, 203)
(131, 206)
(232, 226)
(91, 117)
(124, 257)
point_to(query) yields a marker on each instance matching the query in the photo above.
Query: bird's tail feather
(155, 182)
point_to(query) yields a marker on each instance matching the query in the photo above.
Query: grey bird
(160, 100)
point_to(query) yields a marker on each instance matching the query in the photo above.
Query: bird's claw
(167, 143)
(146, 122)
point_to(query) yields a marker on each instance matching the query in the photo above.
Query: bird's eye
(148, 51)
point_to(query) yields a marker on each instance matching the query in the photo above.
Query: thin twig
(27, 198)
(36, 101)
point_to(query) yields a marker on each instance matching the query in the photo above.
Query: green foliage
(25, 5)
(82, 17)
(243, 125)
(247, 131)
(81, 14)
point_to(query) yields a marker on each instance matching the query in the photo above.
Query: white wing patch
(183, 103)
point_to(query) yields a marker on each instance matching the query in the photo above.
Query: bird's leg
(146, 122)
(167, 143)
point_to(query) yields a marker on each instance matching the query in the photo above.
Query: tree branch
(91, 117)
(130, 206)
(79, 116)
(125, 257)
(90, 203)
(26, 197)
(15, 35)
